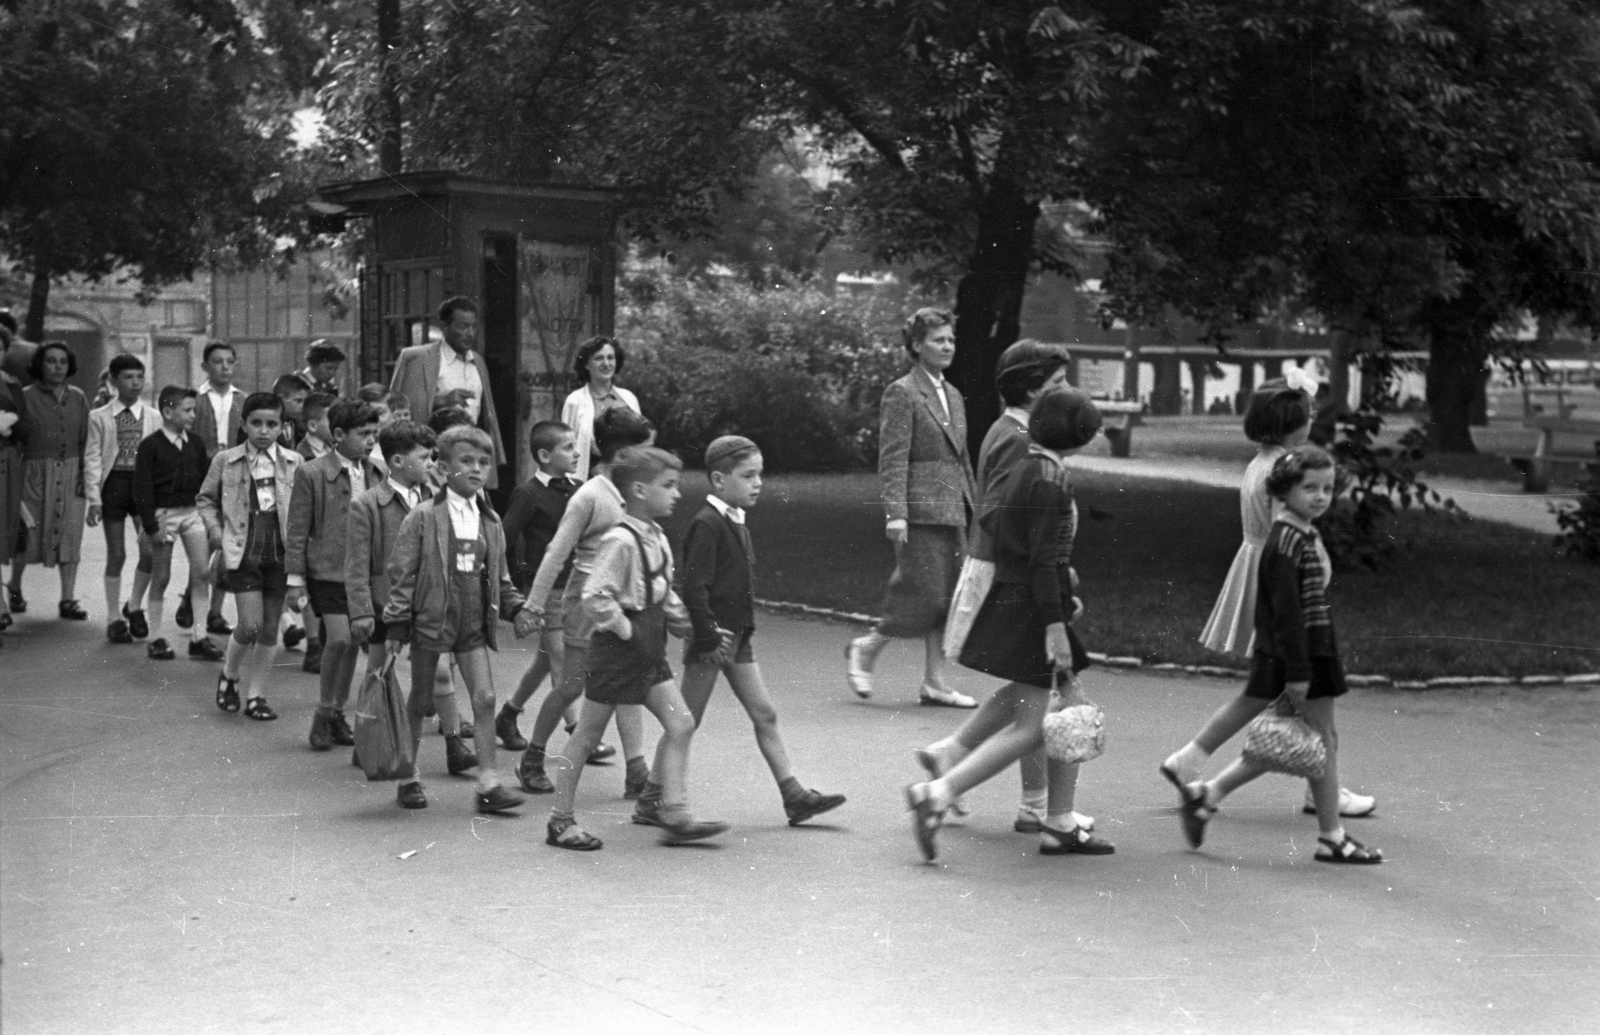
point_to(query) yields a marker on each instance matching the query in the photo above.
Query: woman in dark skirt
(1021, 633)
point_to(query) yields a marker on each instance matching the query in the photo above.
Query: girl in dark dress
(1021, 633)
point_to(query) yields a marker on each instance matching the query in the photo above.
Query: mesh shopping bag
(383, 730)
(1282, 742)
(1076, 733)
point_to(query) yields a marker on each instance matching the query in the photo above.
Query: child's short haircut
(123, 361)
(373, 393)
(617, 429)
(397, 401)
(1064, 419)
(172, 395)
(316, 405)
(1293, 466)
(290, 384)
(402, 436)
(261, 401)
(447, 417)
(347, 414)
(1025, 366)
(729, 451)
(638, 465)
(1275, 412)
(205, 357)
(546, 434)
(464, 434)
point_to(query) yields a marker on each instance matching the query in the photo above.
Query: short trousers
(744, 652)
(250, 577)
(327, 597)
(181, 523)
(555, 609)
(116, 498)
(1268, 678)
(577, 628)
(623, 671)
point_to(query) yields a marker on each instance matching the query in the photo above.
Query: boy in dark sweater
(169, 468)
(719, 583)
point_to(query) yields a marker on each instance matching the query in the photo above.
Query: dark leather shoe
(117, 632)
(205, 650)
(505, 727)
(340, 730)
(313, 659)
(138, 625)
(812, 803)
(16, 602)
(184, 616)
(256, 708)
(409, 795)
(292, 637)
(602, 753)
(160, 650)
(1076, 841)
(458, 758)
(498, 799)
(71, 609)
(530, 772)
(217, 625)
(321, 737)
(680, 830)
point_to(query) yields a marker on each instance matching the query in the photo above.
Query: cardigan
(165, 476)
(314, 545)
(719, 577)
(531, 521)
(923, 464)
(1293, 621)
(578, 414)
(1031, 527)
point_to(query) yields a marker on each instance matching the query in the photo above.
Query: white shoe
(856, 673)
(1351, 804)
(935, 697)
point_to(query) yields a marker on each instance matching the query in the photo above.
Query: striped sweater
(1293, 621)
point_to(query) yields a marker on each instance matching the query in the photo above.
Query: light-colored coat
(420, 579)
(205, 420)
(100, 451)
(371, 531)
(314, 545)
(416, 376)
(922, 454)
(577, 413)
(224, 498)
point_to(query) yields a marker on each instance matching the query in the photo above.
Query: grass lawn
(1456, 598)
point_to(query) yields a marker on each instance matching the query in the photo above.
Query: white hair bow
(1301, 380)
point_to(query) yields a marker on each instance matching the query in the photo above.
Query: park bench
(1561, 440)
(1120, 418)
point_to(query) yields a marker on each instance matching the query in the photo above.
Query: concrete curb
(1581, 681)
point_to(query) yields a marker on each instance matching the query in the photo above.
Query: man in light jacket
(451, 373)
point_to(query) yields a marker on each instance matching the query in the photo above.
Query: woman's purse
(1280, 741)
(1076, 733)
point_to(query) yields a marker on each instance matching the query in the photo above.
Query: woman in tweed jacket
(928, 497)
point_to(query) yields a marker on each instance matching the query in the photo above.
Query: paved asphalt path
(164, 867)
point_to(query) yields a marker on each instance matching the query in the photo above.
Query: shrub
(1375, 483)
(1580, 525)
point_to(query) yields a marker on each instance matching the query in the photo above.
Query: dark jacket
(1029, 517)
(1293, 621)
(719, 578)
(531, 521)
(371, 531)
(165, 476)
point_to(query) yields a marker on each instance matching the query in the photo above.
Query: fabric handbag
(383, 730)
(1280, 741)
(972, 588)
(1076, 733)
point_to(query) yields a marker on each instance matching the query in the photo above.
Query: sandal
(930, 764)
(567, 834)
(227, 694)
(1185, 796)
(1197, 811)
(925, 819)
(256, 708)
(1348, 851)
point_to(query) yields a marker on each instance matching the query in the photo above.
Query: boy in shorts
(168, 471)
(315, 555)
(245, 503)
(629, 598)
(719, 587)
(109, 455)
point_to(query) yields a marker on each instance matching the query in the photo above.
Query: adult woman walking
(52, 474)
(13, 430)
(596, 364)
(928, 497)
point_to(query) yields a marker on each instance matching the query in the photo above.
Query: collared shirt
(180, 439)
(463, 515)
(938, 388)
(1016, 413)
(457, 370)
(222, 409)
(545, 478)
(358, 474)
(616, 583)
(727, 510)
(410, 493)
(264, 472)
(318, 448)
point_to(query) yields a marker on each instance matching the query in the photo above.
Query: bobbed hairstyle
(348, 414)
(290, 384)
(1292, 467)
(546, 434)
(402, 436)
(921, 323)
(261, 401)
(212, 346)
(586, 351)
(1064, 419)
(1275, 412)
(123, 361)
(316, 404)
(641, 465)
(36, 361)
(447, 417)
(454, 304)
(617, 429)
(1025, 366)
(452, 440)
(172, 395)
(324, 351)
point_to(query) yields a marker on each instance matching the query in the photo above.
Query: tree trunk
(389, 152)
(38, 302)
(989, 302)
(1455, 376)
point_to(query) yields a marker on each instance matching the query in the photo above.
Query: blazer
(577, 413)
(420, 579)
(100, 451)
(922, 454)
(416, 375)
(224, 498)
(371, 531)
(719, 578)
(314, 545)
(205, 421)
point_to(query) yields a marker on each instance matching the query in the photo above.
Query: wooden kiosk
(540, 261)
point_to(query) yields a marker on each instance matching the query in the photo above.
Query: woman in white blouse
(596, 364)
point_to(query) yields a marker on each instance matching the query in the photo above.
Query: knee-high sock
(113, 597)
(155, 614)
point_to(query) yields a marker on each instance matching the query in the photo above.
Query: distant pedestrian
(596, 365)
(323, 360)
(13, 432)
(452, 373)
(53, 502)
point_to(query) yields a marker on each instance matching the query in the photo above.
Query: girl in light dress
(1277, 419)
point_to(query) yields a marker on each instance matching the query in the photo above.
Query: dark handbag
(383, 729)
(1280, 741)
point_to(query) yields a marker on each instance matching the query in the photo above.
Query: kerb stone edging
(1582, 680)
